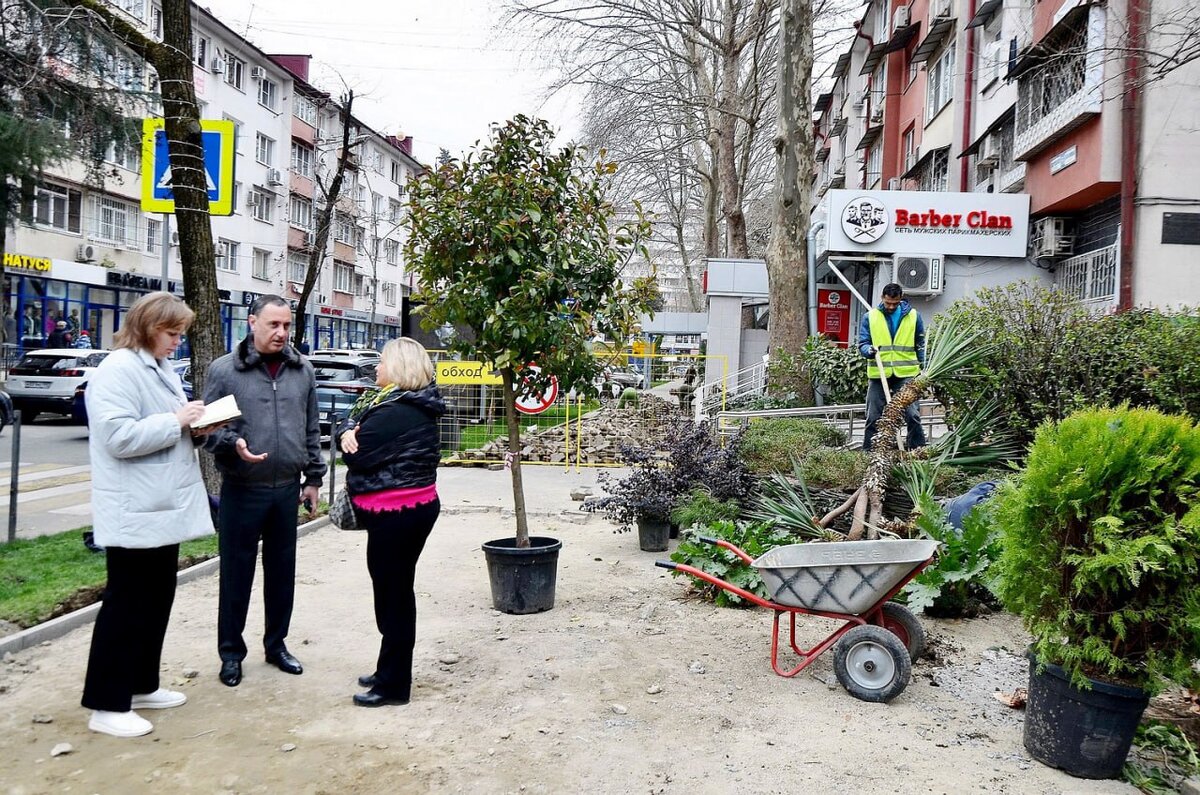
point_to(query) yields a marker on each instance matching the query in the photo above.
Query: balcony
(1011, 180)
(1061, 119)
(1091, 278)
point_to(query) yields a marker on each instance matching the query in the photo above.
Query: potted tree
(516, 244)
(1100, 554)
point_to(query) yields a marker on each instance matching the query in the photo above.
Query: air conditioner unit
(989, 152)
(217, 66)
(893, 183)
(85, 253)
(310, 239)
(274, 177)
(877, 114)
(257, 73)
(1050, 238)
(859, 97)
(252, 199)
(174, 238)
(918, 274)
(900, 19)
(942, 8)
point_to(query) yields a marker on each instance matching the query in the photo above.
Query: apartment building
(951, 111)
(83, 252)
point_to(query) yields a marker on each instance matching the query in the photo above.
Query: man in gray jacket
(262, 456)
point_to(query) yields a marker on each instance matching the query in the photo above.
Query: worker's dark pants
(128, 637)
(248, 513)
(875, 404)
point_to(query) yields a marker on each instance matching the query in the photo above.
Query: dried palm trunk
(883, 456)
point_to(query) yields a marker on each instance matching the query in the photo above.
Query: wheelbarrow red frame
(873, 615)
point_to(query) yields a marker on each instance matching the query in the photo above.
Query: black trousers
(127, 639)
(394, 543)
(248, 513)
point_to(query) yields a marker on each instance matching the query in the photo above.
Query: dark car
(341, 380)
(183, 368)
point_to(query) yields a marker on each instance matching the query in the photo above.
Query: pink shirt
(395, 499)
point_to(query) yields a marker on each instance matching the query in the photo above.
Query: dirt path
(626, 686)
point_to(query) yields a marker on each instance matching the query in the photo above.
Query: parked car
(353, 353)
(183, 368)
(341, 380)
(45, 380)
(6, 410)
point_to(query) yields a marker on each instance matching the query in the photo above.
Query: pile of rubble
(601, 434)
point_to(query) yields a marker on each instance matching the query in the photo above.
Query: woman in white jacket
(147, 497)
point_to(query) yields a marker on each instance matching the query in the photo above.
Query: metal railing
(1090, 278)
(850, 418)
(715, 395)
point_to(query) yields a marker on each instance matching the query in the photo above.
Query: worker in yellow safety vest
(895, 331)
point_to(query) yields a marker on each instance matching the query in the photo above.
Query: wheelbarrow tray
(847, 577)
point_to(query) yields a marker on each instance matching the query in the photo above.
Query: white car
(357, 353)
(45, 379)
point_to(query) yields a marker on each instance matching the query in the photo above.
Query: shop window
(116, 222)
(58, 207)
(227, 256)
(262, 264)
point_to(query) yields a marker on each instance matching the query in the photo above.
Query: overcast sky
(434, 69)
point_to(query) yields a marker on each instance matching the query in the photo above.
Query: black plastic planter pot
(523, 580)
(652, 535)
(1086, 733)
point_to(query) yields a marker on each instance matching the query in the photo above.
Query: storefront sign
(389, 320)
(24, 262)
(137, 281)
(833, 314)
(910, 222)
(466, 373)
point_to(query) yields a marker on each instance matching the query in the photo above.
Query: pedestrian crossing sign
(219, 146)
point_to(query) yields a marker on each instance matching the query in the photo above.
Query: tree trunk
(316, 257)
(727, 109)
(787, 255)
(514, 456)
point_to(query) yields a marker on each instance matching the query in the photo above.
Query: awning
(843, 63)
(984, 13)
(1001, 120)
(923, 161)
(822, 154)
(874, 56)
(823, 102)
(1048, 47)
(838, 125)
(934, 39)
(902, 37)
(869, 137)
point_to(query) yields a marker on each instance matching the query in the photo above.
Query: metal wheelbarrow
(848, 581)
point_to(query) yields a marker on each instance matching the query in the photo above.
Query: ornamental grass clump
(1101, 547)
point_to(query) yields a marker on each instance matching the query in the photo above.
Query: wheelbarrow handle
(666, 564)
(718, 542)
(708, 540)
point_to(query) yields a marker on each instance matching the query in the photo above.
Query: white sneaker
(120, 724)
(159, 699)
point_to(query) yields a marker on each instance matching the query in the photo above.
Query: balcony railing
(1069, 114)
(1011, 180)
(1091, 278)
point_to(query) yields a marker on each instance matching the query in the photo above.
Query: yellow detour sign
(466, 373)
(642, 347)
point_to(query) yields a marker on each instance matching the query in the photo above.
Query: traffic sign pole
(166, 251)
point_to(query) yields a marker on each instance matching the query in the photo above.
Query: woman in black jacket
(392, 450)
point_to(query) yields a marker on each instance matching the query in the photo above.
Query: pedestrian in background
(391, 450)
(895, 331)
(262, 456)
(147, 497)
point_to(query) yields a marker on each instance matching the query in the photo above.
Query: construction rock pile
(601, 435)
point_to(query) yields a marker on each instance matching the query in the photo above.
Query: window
(135, 8)
(264, 149)
(397, 173)
(395, 210)
(376, 205)
(389, 293)
(156, 22)
(300, 212)
(304, 110)
(874, 165)
(123, 154)
(57, 207)
(237, 131)
(343, 277)
(371, 248)
(234, 66)
(344, 229)
(153, 235)
(268, 93)
(302, 159)
(391, 251)
(940, 89)
(236, 198)
(910, 150)
(1044, 89)
(936, 175)
(200, 51)
(262, 264)
(227, 255)
(117, 222)
(261, 203)
(297, 267)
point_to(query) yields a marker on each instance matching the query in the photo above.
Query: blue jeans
(875, 405)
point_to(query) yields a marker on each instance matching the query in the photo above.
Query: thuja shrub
(1100, 540)
(769, 445)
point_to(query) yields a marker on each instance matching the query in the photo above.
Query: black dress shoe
(284, 661)
(231, 673)
(373, 699)
(366, 680)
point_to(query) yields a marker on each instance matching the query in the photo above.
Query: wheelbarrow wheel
(872, 663)
(900, 621)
